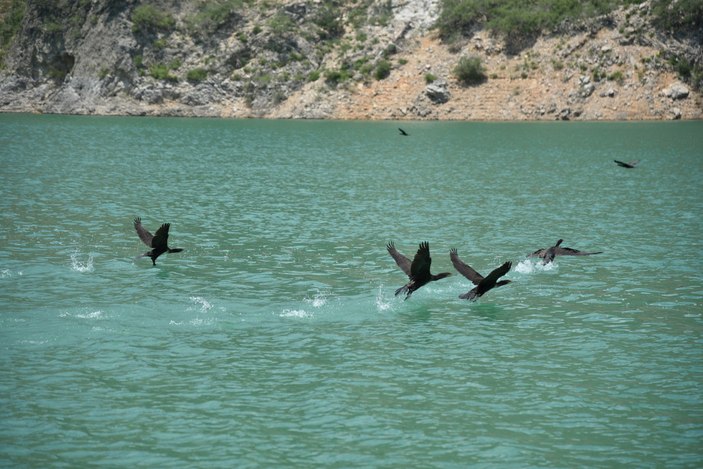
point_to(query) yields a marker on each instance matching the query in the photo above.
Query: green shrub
(430, 78)
(469, 71)
(196, 75)
(314, 75)
(327, 18)
(148, 19)
(161, 72)
(383, 69)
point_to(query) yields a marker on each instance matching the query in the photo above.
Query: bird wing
(573, 252)
(500, 271)
(161, 237)
(144, 235)
(630, 164)
(539, 253)
(464, 269)
(402, 261)
(421, 262)
(402, 132)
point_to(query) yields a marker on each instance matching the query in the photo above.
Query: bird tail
(175, 250)
(402, 289)
(469, 296)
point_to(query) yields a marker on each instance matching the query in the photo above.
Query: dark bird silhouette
(483, 284)
(158, 242)
(630, 164)
(548, 254)
(403, 132)
(418, 270)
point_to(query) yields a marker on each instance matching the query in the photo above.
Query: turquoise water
(274, 339)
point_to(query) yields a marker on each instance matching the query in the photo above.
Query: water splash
(78, 266)
(296, 313)
(318, 301)
(381, 303)
(528, 267)
(95, 315)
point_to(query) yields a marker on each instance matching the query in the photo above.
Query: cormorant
(548, 254)
(630, 164)
(483, 284)
(403, 132)
(158, 242)
(418, 271)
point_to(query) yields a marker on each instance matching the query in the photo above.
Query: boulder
(676, 90)
(438, 92)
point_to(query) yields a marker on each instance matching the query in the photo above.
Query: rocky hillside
(363, 59)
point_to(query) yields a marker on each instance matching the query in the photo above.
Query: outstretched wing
(420, 268)
(144, 235)
(539, 253)
(500, 271)
(161, 237)
(573, 252)
(464, 269)
(402, 261)
(630, 164)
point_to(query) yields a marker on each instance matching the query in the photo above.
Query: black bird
(630, 164)
(483, 284)
(418, 271)
(158, 242)
(548, 254)
(402, 132)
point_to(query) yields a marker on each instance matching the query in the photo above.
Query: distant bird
(631, 164)
(402, 132)
(483, 284)
(418, 271)
(158, 242)
(548, 254)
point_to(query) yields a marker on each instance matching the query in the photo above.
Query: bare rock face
(319, 59)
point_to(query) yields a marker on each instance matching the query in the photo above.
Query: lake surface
(275, 340)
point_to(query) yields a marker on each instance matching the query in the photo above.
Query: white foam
(79, 266)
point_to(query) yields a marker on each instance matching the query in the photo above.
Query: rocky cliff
(366, 59)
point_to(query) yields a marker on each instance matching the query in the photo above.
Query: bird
(403, 132)
(418, 270)
(630, 164)
(158, 242)
(548, 254)
(483, 284)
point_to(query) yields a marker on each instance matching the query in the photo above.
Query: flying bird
(548, 254)
(418, 270)
(630, 164)
(403, 132)
(483, 284)
(158, 242)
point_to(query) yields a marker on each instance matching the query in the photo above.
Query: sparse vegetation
(148, 19)
(517, 21)
(10, 24)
